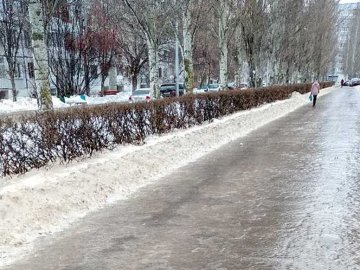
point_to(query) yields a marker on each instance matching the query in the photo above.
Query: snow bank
(23, 104)
(47, 201)
(95, 100)
(57, 103)
(120, 97)
(30, 104)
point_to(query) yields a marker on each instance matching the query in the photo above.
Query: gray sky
(349, 1)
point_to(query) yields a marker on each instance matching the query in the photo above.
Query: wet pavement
(285, 197)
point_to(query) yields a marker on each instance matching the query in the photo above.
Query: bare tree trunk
(13, 87)
(223, 43)
(252, 74)
(238, 57)
(40, 55)
(12, 93)
(223, 63)
(87, 79)
(112, 78)
(134, 82)
(103, 78)
(154, 72)
(188, 51)
(135, 71)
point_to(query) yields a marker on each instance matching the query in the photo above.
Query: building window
(2, 72)
(27, 39)
(94, 71)
(18, 71)
(31, 70)
(2, 68)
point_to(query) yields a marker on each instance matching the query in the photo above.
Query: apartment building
(24, 71)
(24, 74)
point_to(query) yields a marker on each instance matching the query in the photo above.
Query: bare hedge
(35, 141)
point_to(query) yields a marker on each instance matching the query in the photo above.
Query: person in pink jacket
(315, 90)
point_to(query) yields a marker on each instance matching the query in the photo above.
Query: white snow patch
(120, 97)
(49, 200)
(295, 95)
(57, 103)
(23, 104)
(30, 104)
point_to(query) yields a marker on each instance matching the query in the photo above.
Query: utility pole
(177, 58)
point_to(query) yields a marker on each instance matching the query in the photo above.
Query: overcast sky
(349, 1)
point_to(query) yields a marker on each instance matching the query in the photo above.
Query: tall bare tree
(153, 18)
(134, 53)
(132, 44)
(253, 31)
(191, 20)
(40, 54)
(351, 65)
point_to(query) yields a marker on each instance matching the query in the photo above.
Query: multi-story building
(24, 70)
(24, 74)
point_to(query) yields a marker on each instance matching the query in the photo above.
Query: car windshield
(213, 86)
(141, 92)
(203, 87)
(171, 86)
(167, 87)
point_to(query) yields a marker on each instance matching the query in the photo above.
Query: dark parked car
(355, 82)
(169, 90)
(347, 83)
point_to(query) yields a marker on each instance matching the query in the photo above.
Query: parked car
(201, 89)
(140, 95)
(214, 87)
(243, 86)
(169, 89)
(231, 86)
(347, 83)
(355, 82)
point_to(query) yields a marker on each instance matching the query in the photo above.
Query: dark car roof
(181, 85)
(171, 84)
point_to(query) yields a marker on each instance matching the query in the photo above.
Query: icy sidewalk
(47, 201)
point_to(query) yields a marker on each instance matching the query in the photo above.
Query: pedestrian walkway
(285, 197)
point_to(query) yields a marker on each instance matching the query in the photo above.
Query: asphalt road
(285, 197)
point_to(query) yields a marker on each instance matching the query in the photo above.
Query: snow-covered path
(46, 201)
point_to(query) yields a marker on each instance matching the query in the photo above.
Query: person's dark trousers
(314, 100)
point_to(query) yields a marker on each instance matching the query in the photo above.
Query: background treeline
(252, 41)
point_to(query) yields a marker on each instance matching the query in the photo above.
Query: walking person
(315, 90)
(342, 82)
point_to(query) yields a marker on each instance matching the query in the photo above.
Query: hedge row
(35, 141)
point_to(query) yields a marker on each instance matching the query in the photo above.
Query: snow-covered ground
(48, 200)
(30, 104)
